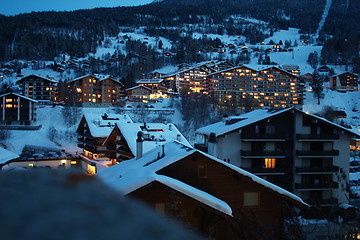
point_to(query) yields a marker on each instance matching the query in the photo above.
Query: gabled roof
(18, 95)
(101, 127)
(222, 128)
(152, 80)
(38, 76)
(133, 174)
(347, 72)
(139, 86)
(259, 68)
(154, 134)
(97, 76)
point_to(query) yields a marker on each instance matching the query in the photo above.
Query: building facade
(17, 109)
(38, 88)
(198, 190)
(95, 91)
(302, 153)
(246, 88)
(346, 81)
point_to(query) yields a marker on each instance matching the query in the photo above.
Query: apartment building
(95, 90)
(248, 88)
(300, 152)
(42, 89)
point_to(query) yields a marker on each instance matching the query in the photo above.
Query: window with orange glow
(270, 162)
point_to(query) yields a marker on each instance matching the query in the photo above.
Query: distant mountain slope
(46, 34)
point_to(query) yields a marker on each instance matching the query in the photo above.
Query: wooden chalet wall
(266, 217)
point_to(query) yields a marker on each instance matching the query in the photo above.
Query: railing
(313, 186)
(254, 153)
(124, 153)
(317, 153)
(265, 170)
(317, 137)
(276, 136)
(327, 169)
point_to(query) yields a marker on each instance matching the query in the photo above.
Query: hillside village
(263, 120)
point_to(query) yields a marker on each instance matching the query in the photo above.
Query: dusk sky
(13, 7)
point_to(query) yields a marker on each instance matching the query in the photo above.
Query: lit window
(31, 165)
(9, 100)
(270, 162)
(251, 199)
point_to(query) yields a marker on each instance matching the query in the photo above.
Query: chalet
(157, 86)
(324, 69)
(139, 93)
(39, 88)
(110, 138)
(345, 81)
(123, 139)
(307, 77)
(293, 69)
(95, 90)
(93, 130)
(210, 196)
(247, 88)
(303, 153)
(17, 109)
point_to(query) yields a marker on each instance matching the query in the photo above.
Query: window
(270, 162)
(202, 171)
(251, 199)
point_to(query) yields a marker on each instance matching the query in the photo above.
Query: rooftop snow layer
(6, 155)
(130, 175)
(100, 127)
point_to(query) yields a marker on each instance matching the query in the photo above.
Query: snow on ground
(227, 39)
(285, 35)
(153, 41)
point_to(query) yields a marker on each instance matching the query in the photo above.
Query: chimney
(139, 145)
(212, 145)
(170, 127)
(178, 138)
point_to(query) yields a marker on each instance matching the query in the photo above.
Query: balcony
(315, 137)
(264, 154)
(317, 153)
(316, 170)
(201, 147)
(124, 153)
(316, 186)
(266, 171)
(264, 137)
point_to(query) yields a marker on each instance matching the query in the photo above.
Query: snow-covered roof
(102, 127)
(35, 75)
(6, 155)
(133, 174)
(255, 68)
(139, 86)
(221, 128)
(18, 95)
(98, 76)
(342, 73)
(154, 134)
(153, 80)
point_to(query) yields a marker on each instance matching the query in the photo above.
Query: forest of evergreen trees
(46, 35)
